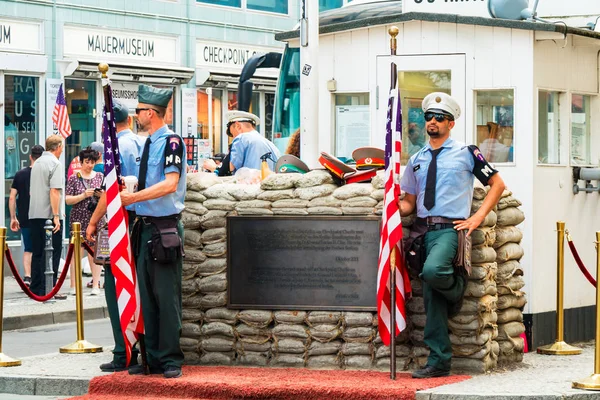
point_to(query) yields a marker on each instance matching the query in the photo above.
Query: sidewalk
(539, 377)
(22, 312)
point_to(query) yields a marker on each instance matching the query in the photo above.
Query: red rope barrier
(24, 287)
(582, 267)
(87, 248)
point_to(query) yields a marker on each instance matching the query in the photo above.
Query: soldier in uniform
(438, 181)
(130, 150)
(157, 235)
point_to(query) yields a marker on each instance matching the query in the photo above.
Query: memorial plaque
(302, 263)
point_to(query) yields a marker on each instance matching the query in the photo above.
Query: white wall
(563, 67)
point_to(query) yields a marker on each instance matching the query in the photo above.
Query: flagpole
(103, 68)
(393, 32)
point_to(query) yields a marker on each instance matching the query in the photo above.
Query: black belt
(436, 223)
(148, 219)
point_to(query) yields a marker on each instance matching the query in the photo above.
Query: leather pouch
(414, 249)
(462, 261)
(165, 245)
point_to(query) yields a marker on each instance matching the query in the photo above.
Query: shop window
(229, 3)
(21, 127)
(352, 123)
(325, 5)
(414, 86)
(276, 6)
(210, 126)
(269, 106)
(548, 127)
(580, 129)
(232, 104)
(495, 124)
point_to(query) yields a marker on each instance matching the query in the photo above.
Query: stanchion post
(559, 347)
(5, 361)
(49, 273)
(593, 382)
(81, 345)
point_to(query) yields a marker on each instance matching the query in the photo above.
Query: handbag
(101, 248)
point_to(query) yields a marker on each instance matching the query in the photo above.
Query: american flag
(121, 260)
(60, 116)
(391, 228)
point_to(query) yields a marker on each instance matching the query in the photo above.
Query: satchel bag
(101, 247)
(462, 261)
(414, 249)
(165, 245)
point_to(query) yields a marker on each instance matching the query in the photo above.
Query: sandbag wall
(213, 334)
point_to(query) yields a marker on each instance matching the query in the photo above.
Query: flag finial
(103, 68)
(393, 32)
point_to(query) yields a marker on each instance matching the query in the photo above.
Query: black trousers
(38, 260)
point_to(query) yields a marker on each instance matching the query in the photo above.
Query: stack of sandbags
(290, 339)
(253, 334)
(417, 355)
(509, 279)
(358, 334)
(325, 331)
(473, 330)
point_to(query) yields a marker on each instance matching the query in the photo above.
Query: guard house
(529, 95)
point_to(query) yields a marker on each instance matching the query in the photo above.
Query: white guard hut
(529, 94)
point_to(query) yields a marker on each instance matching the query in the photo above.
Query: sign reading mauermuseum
(20, 36)
(475, 8)
(302, 263)
(222, 57)
(127, 46)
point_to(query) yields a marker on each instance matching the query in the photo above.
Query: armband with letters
(174, 152)
(481, 169)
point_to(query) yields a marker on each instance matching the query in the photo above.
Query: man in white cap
(248, 145)
(438, 181)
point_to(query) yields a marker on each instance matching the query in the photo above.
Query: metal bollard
(5, 361)
(593, 382)
(559, 347)
(49, 273)
(81, 345)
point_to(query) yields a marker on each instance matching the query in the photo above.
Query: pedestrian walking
(130, 150)
(438, 181)
(18, 205)
(47, 177)
(83, 191)
(158, 233)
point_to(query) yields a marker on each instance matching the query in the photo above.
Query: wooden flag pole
(393, 31)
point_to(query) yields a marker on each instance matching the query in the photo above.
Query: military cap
(241, 116)
(360, 176)
(154, 96)
(441, 102)
(335, 167)
(120, 111)
(289, 163)
(97, 147)
(369, 157)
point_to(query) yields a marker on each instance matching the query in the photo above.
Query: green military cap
(120, 111)
(288, 163)
(154, 96)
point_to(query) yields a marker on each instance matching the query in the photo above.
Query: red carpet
(261, 383)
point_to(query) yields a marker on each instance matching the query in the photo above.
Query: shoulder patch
(174, 152)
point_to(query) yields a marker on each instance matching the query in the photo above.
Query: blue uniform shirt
(171, 203)
(456, 165)
(247, 148)
(130, 153)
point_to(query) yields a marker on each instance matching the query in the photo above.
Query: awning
(135, 73)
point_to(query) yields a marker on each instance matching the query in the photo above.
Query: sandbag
(289, 346)
(290, 317)
(510, 216)
(486, 271)
(507, 234)
(480, 288)
(511, 286)
(509, 251)
(510, 315)
(510, 330)
(221, 315)
(485, 236)
(507, 270)
(482, 254)
(516, 300)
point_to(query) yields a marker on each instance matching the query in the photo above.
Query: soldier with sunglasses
(438, 181)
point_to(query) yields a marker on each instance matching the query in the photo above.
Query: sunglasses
(439, 117)
(138, 110)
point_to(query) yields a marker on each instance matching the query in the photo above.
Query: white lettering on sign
(21, 36)
(476, 8)
(225, 57)
(82, 42)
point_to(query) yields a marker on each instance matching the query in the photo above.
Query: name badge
(416, 167)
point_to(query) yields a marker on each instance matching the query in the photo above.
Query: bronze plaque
(302, 263)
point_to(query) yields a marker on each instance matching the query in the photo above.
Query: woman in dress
(82, 192)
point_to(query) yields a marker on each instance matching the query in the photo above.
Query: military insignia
(174, 143)
(368, 161)
(478, 155)
(438, 99)
(283, 169)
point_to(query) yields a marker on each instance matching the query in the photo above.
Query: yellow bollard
(593, 382)
(81, 345)
(559, 347)
(5, 361)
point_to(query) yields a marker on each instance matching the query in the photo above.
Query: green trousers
(160, 290)
(440, 288)
(110, 292)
